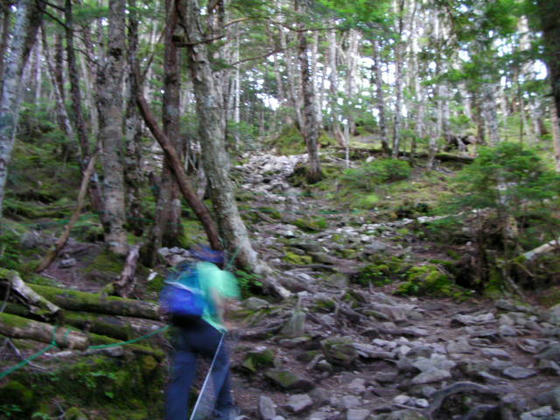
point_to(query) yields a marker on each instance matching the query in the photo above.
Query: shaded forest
(382, 176)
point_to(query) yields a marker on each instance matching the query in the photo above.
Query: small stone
(499, 353)
(299, 402)
(67, 263)
(518, 372)
(350, 401)
(357, 414)
(401, 399)
(421, 403)
(357, 386)
(267, 408)
(432, 375)
(542, 412)
(254, 303)
(507, 331)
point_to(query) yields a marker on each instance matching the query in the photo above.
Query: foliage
(430, 280)
(9, 250)
(249, 283)
(377, 172)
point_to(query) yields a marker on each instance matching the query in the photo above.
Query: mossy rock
(339, 350)
(293, 258)
(288, 380)
(259, 359)
(429, 279)
(289, 141)
(381, 271)
(75, 413)
(308, 224)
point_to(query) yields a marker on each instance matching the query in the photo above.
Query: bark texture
(109, 106)
(28, 20)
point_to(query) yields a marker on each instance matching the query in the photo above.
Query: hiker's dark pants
(198, 339)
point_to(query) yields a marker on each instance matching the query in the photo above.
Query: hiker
(201, 336)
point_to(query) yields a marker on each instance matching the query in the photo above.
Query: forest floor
(344, 348)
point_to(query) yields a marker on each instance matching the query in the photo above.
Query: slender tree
(28, 21)
(109, 106)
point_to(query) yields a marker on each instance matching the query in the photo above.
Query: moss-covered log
(42, 306)
(100, 324)
(17, 327)
(91, 302)
(135, 348)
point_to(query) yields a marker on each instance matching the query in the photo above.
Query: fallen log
(126, 282)
(444, 157)
(100, 340)
(91, 302)
(543, 249)
(17, 327)
(39, 305)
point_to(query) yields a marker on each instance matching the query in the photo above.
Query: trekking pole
(207, 379)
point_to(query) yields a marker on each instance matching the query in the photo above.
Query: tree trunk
(310, 128)
(399, 6)
(76, 113)
(555, 134)
(28, 20)
(167, 229)
(133, 132)
(380, 100)
(549, 14)
(109, 106)
(61, 114)
(18, 327)
(333, 81)
(293, 81)
(126, 282)
(6, 14)
(190, 195)
(212, 137)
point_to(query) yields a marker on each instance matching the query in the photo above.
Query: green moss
(106, 262)
(289, 141)
(550, 297)
(14, 321)
(324, 305)
(257, 360)
(430, 280)
(311, 224)
(193, 233)
(293, 258)
(382, 270)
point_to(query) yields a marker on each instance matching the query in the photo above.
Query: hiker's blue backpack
(181, 298)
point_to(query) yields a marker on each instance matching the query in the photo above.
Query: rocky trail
(338, 350)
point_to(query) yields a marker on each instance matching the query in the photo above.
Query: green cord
(55, 344)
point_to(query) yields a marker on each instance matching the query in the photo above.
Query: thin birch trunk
(380, 97)
(399, 8)
(293, 81)
(28, 20)
(61, 114)
(333, 82)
